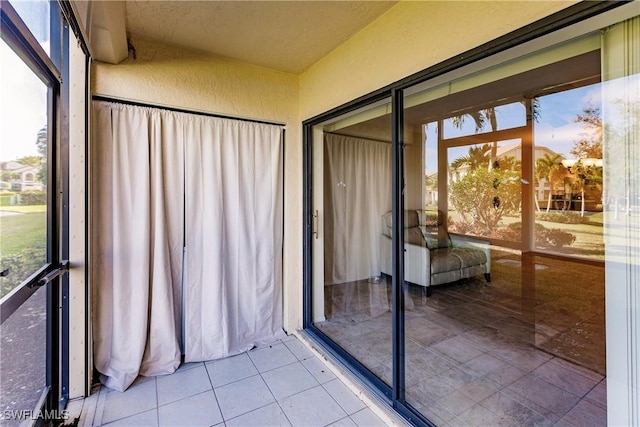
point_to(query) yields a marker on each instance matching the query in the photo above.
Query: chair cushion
(469, 257)
(443, 260)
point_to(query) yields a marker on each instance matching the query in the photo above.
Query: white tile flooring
(284, 384)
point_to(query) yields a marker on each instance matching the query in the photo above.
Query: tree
(30, 161)
(480, 118)
(41, 144)
(476, 158)
(589, 145)
(483, 197)
(488, 115)
(548, 167)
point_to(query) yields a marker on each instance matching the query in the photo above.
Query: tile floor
(470, 357)
(284, 384)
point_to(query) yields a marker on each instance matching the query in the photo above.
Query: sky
(555, 128)
(23, 96)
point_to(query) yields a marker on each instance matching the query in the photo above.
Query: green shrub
(29, 198)
(21, 265)
(562, 218)
(545, 237)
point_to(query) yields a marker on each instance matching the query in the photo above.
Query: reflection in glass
(23, 357)
(352, 186)
(475, 349)
(484, 194)
(23, 169)
(569, 173)
(489, 119)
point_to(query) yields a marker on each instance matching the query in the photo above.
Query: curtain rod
(359, 137)
(181, 110)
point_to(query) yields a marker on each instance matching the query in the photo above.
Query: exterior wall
(410, 37)
(168, 76)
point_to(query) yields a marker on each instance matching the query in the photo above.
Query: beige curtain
(233, 288)
(357, 182)
(149, 167)
(137, 242)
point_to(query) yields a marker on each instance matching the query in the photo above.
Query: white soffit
(289, 36)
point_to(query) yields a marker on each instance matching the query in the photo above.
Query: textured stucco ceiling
(284, 35)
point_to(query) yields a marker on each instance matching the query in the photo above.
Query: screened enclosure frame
(52, 69)
(393, 395)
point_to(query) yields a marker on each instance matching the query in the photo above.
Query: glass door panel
(23, 360)
(475, 345)
(351, 247)
(23, 168)
(28, 363)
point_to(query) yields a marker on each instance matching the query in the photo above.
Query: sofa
(432, 255)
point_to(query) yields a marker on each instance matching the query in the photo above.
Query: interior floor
(525, 349)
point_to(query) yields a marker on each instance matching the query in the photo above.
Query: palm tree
(547, 167)
(480, 118)
(476, 157)
(488, 115)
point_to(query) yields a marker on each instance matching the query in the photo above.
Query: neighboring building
(22, 177)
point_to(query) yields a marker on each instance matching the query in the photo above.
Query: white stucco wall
(168, 76)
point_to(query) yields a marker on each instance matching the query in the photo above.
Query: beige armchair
(432, 256)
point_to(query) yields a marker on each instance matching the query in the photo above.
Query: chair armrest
(417, 262)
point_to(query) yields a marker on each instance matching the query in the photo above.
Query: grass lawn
(22, 247)
(22, 231)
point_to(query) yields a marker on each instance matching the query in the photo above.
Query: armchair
(432, 256)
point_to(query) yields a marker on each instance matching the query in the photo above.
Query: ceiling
(289, 36)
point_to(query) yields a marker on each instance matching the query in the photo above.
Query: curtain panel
(187, 239)
(357, 182)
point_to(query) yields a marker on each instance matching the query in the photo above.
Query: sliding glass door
(494, 198)
(351, 202)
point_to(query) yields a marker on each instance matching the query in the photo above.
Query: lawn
(22, 246)
(22, 231)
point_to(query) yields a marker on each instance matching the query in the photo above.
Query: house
(353, 82)
(24, 177)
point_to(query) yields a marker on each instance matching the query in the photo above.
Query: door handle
(63, 267)
(316, 224)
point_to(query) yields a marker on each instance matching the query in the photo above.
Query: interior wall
(169, 76)
(410, 37)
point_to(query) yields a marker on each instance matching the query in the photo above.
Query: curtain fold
(233, 237)
(231, 192)
(136, 258)
(357, 193)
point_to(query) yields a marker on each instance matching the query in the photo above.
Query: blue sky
(23, 110)
(555, 128)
